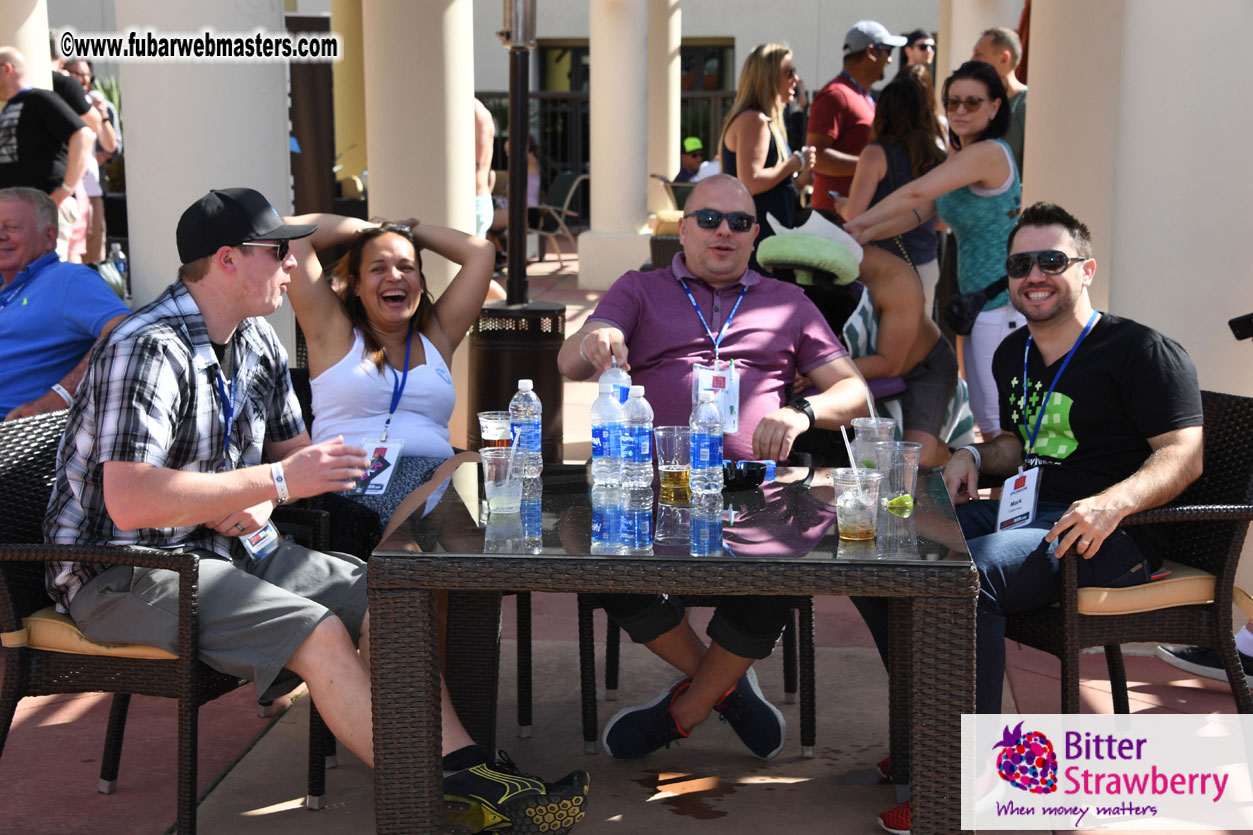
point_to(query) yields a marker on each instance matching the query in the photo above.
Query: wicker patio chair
(804, 607)
(1192, 605)
(46, 655)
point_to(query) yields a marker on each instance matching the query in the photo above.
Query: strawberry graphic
(1027, 761)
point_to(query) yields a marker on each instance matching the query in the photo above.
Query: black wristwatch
(803, 405)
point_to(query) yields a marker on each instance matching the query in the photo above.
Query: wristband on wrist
(582, 355)
(280, 481)
(804, 405)
(974, 454)
(63, 393)
(68, 187)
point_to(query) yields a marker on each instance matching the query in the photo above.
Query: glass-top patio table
(779, 539)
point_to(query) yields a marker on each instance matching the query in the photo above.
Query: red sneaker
(896, 819)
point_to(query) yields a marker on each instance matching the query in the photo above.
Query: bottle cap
(606, 387)
(637, 391)
(525, 385)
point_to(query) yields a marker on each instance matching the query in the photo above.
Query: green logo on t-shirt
(1056, 439)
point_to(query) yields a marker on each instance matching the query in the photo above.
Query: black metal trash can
(517, 342)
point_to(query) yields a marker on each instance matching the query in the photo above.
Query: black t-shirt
(71, 92)
(35, 130)
(1125, 384)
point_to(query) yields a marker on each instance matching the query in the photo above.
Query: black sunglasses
(971, 103)
(283, 247)
(1051, 261)
(712, 219)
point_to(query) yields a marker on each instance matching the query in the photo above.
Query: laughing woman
(379, 346)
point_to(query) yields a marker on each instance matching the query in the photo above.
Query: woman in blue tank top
(905, 144)
(753, 145)
(977, 192)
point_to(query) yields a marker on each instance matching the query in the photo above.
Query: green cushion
(799, 251)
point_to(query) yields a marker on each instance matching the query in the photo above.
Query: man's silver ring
(1085, 542)
(239, 527)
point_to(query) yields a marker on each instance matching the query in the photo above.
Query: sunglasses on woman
(712, 219)
(1051, 261)
(283, 247)
(971, 103)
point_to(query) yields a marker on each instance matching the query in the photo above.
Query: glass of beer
(494, 429)
(674, 463)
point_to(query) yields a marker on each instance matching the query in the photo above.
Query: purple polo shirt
(776, 332)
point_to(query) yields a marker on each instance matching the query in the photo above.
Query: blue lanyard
(723, 332)
(228, 416)
(857, 86)
(11, 99)
(8, 294)
(1034, 433)
(398, 387)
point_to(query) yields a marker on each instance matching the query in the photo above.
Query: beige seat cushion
(666, 222)
(1185, 586)
(50, 630)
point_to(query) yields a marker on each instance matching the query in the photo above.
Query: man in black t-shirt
(1106, 409)
(43, 144)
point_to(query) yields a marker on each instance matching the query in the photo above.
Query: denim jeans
(1017, 573)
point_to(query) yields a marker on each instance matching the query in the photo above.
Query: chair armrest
(1192, 513)
(185, 565)
(310, 527)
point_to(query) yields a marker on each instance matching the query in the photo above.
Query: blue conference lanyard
(717, 340)
(1039, 417)
(858, 87)
(398, 387)
(228, 414)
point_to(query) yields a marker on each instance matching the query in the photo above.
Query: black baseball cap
(229, 217)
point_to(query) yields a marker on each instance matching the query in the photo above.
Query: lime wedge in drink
(867, 464)
(902, 505)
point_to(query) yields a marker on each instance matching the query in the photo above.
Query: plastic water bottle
(706, 527)
(637, 521)
(619, 379)
(118, 258)
(606, 437)
(607, 514)
(532, 518)
(525, 425)
(637, 440)
(706, 445)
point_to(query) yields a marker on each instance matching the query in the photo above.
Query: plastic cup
(493, 429)
(502, 480)
(898, 461)
(674, 463)
(856, 501)
(673, 523)
(869, 431)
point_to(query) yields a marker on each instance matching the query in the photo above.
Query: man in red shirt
(843, 111)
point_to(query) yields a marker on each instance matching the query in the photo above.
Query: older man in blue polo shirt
(51, 312)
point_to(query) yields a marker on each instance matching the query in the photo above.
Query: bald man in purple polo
(660, 326)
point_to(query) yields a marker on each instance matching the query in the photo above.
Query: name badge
(262, 542)
(1018, 500)
(724, 380)
(383, 460)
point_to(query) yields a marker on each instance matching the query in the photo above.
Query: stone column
(618, 101)
(24, 26)
(349, 90)
(195, 126)
(664, 36)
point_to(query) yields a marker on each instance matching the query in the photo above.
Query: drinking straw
(852, 460)
(870, 401)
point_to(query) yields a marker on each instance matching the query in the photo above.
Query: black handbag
(959, 312)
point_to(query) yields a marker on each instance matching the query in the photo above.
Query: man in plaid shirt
(163, 449)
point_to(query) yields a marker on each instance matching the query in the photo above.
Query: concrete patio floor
(253, 770)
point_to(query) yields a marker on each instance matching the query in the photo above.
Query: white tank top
(352, 398)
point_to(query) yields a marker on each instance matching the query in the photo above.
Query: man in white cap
(843, 111)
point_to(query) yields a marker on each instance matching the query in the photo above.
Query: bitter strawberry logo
(1028, 761)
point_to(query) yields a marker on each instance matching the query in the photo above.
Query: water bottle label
(637, 444)
(637, 528)
(532, 519)
(622, 393)
(606, 442)
(526, 436)
(706, 451)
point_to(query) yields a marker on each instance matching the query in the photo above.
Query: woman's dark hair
(979, 71)
(346, 274)
(910, 39)
(904, 116)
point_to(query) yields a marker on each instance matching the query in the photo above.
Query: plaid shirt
(152, 397)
